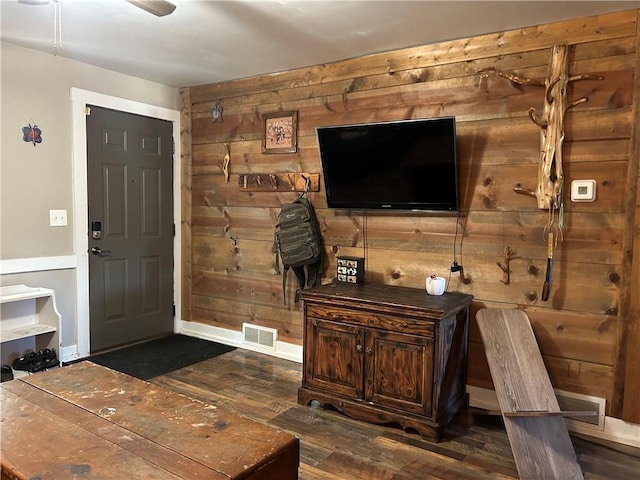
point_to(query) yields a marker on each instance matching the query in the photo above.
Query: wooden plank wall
(627, 379)
(230, 276)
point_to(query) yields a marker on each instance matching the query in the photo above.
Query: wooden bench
(537, 433)
(86, 420)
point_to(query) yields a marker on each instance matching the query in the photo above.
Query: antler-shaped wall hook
(225, 162)
(509, 254)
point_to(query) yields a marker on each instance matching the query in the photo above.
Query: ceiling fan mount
(159, 8)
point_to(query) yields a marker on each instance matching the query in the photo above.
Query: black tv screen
(403, 165)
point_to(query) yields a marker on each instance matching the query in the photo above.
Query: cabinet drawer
(371, 319)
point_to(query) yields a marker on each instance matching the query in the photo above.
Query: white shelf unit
(29, 321)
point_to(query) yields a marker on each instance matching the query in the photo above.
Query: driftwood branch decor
(551, 122)
(550, 191)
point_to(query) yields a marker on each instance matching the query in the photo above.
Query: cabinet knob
(368, 350)
(359, 348)
(405, 325)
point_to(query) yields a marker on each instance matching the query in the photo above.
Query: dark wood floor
(335, 447)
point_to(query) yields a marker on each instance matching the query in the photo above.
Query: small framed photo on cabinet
(280, 132)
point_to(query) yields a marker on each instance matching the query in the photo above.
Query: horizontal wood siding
(231, 276)
(627, 381)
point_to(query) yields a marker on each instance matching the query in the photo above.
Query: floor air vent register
(261, 337)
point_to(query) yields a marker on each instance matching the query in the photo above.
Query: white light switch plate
(58, 218)
(583, 190)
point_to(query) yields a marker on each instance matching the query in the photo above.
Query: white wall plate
(583, 190)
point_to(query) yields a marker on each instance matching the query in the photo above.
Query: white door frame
(79, 100)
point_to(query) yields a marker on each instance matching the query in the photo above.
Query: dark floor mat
(157, 357)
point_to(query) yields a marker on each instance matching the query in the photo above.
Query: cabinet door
(399, 371)
(333, 360)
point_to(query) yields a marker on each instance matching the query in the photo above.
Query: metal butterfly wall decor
(31, 133)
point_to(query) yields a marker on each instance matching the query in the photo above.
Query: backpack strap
(300, 277)
(302, 280)
(305, 191)
(313, 271)
(284, 284)
(276, 253)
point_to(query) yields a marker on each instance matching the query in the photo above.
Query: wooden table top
(90, 420)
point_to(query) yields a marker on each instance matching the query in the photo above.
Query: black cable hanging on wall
(364, 242)
(455, 266)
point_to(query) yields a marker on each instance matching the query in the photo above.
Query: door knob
(99, 251)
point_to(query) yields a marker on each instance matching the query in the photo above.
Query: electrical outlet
(57, 218)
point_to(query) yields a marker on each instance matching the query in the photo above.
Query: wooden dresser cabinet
(386, 354)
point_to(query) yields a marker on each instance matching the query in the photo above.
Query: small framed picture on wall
(280, 132)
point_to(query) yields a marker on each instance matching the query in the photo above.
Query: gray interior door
(129, 181)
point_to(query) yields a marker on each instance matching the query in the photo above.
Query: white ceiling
(210, 41)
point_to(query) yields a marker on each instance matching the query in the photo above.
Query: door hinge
(173, 310)
(173, 146)
(174, 229)
(87, 110)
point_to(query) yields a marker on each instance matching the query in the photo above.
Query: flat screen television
(401, 165)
